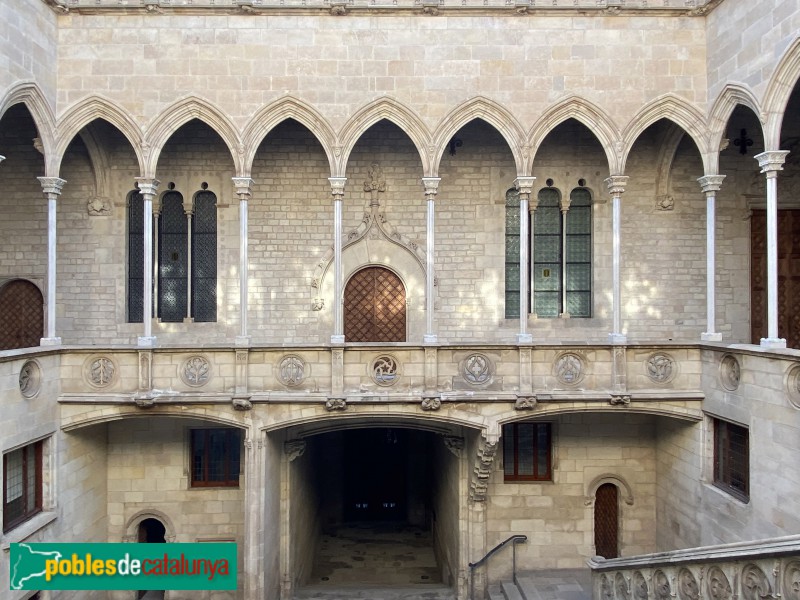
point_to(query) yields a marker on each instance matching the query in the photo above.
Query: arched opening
(606, 521)
(21, 315)
(151, 531)
(375, 306)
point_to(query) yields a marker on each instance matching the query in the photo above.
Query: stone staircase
(553, 584)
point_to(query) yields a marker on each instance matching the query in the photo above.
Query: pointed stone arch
(90, 109)
(486, 110)
(592, 116)
(29, 94)
(781, 85)
(180, 113)
(672, 108)
(384, 108)
(732, 95)
(272, 115)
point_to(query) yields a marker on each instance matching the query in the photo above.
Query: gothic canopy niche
(375, 241)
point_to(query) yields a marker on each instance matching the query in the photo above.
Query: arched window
(606, 521)
(375, 307)
(21, 315)
(578, 260)
(172, 259)
(204, 257)
(513, 274)
(547, 248)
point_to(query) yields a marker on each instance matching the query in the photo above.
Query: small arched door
(21, 315)
(606, 521)
(375, 307)
(151, 531)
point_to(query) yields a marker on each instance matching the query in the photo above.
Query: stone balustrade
(752, 571)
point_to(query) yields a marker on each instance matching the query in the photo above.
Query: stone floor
(553, 584)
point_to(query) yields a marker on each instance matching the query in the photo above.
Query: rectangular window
(215, 457)
(22, 485)
(527, 452)
(732, 458)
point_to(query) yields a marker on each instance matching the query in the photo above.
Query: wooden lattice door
(21, 315)
(788, 276)
(375, 307)
(606, 521)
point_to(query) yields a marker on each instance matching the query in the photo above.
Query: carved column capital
(148, 186)
(524, 185)
(243, 186)
(294, 449)
(431, 185)
(51, 186)
(337, 186)
(771, 162)
(616, 184)
(710, 183)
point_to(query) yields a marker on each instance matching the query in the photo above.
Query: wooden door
(21, 315)
(375, 307)
(606, 521)
(788, 276)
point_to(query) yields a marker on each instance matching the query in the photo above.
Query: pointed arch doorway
(606, 521)
(375, 306)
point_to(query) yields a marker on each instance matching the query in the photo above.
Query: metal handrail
(514, 540)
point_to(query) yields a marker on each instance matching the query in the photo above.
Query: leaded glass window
(512, 253)
(135, 257)
(547, 254)
(578, 260)
(204, 257)
(172, 259)
(527, 450)
(216, 455)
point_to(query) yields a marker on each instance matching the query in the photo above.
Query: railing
(747, 570)
(513, 540)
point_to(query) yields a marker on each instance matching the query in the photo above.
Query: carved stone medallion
(291, 370)
(569, 368)
(660, 367)
(719, 588)
(687, 585)
(477, 369)
(661, 587)
(793, 385)
(385, 370)
(100, 371)
(755, 584)
(729, 372)
(30, 379)
(196, 371)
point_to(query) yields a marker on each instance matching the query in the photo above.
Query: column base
(711, 337)
(54, 341)
(773, 343)
(242, 341)
(617, 338)
(147, 341)
(524, 338)
(430, 338)
(337, 339)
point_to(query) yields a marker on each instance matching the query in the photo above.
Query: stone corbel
(525, 402)
(338, 8)
(455, 444)
(294, 449)
(484, 464)
(333, 403)
(620, 400)
(145, 400)
(432, 402)
(241, 403)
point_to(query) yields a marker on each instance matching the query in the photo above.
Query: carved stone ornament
(525, 403)
(101, 371)
(477, 369)
(620, 400)
(144, 400)
(431, 403)
(621, 587)
(30, 379)
(291, 370)
(196, 371)
(793, 385)
(294, 449)
(660, 367)
(729, 372)
(791, 581)
(482, 471)
(755, 585)
(606, 589)
(241, 403)
(454, 443)
(318, 304)
(687, 586)
(665, 202)
(569, 368)
(661, 587)
(99, 206)
(719, 588)
(336, 404)
(385, 370)
(639, 586)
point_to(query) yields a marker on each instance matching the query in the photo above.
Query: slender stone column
(771, 163)
(243, 187)
(254, 509)
(616, 187)
(156, 253)
(524, 186)
(149, 188)
(189, 211)
(710, 185)
(51, 186)
(337, 191)
(565, 203)
(431, 185)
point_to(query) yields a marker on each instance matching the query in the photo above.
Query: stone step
(510, 591)
(417, 592)
(556, 584)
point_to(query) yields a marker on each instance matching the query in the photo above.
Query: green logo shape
(198, 566)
